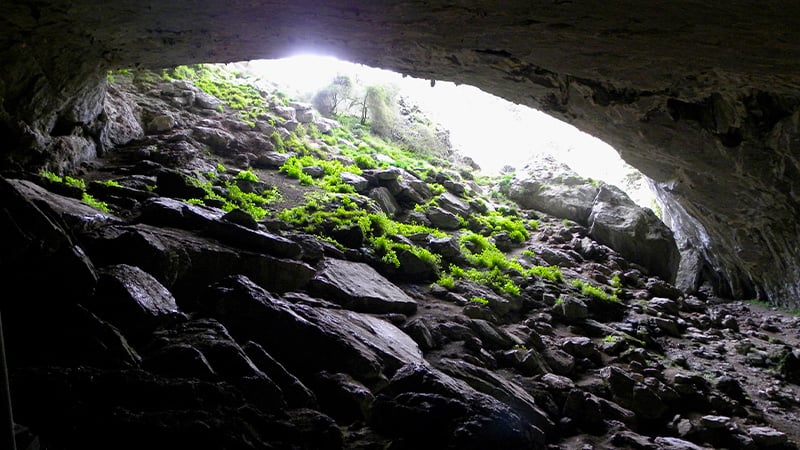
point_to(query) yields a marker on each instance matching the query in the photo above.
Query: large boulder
(431, 409)
(308, 339)
(634, 232)
(553, 188)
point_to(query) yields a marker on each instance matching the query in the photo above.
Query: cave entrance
(500, 136)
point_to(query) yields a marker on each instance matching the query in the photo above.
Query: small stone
(766, 436)
(715, 421)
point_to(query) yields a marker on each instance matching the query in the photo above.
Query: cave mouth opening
(499, 135)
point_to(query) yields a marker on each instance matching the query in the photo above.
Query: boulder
(553, 188)
(443, 219)
(385, 200)
(123, 124)
(206, 101)
(294, 391)
(217, 355)
(271, 160)
(38, 249)
(453, 204)
(219, 140)
(634, 232)
(160, 123)
(132, 300)
(305, 115)
(507, 392)
(219, 225)
(172, 183)
(359, 287)
(359, 183)
(285, 112)
(431, 409)
(307, 339)
(412, 268)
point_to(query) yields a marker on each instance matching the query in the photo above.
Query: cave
(702, 97)
(699, 96)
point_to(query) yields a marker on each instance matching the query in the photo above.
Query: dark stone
(322, 339)
(426, 406)
(171, 183)
(359, 287)
(37, 250)
(294, 391)
(133, 301)
(342, 397)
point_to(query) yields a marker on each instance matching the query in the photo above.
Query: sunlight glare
(492, 131)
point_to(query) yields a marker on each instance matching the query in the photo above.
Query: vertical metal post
(7, 438)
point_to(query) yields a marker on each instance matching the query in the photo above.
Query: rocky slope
(181, 315)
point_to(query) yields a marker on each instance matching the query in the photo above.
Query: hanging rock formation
(702, 97)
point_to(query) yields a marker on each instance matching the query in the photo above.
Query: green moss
(551, 273)
(436, 188)
(480, 300)
(594, 291)
(249, 202)
(75, 182)
(94, 203)
(250, 102)
(446, 280)
(111, 183)
(247, 175)
(365, 162)
(50, 176)
(497, 222)
(331, 181)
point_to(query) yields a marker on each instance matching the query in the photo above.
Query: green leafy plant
(446, 281)
(480, 301)
(247, 175)
(111, 183)
(365, 162)
(75, 182)
(594, 291)
(94, 203)
(50, 176)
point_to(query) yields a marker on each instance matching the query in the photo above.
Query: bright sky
(491, 130)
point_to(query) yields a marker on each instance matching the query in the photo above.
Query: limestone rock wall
(701, 96)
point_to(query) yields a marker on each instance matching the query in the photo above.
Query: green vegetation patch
(331, 180)
(593, 291)
(249, 101)
(234, 197)
(498, 222)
